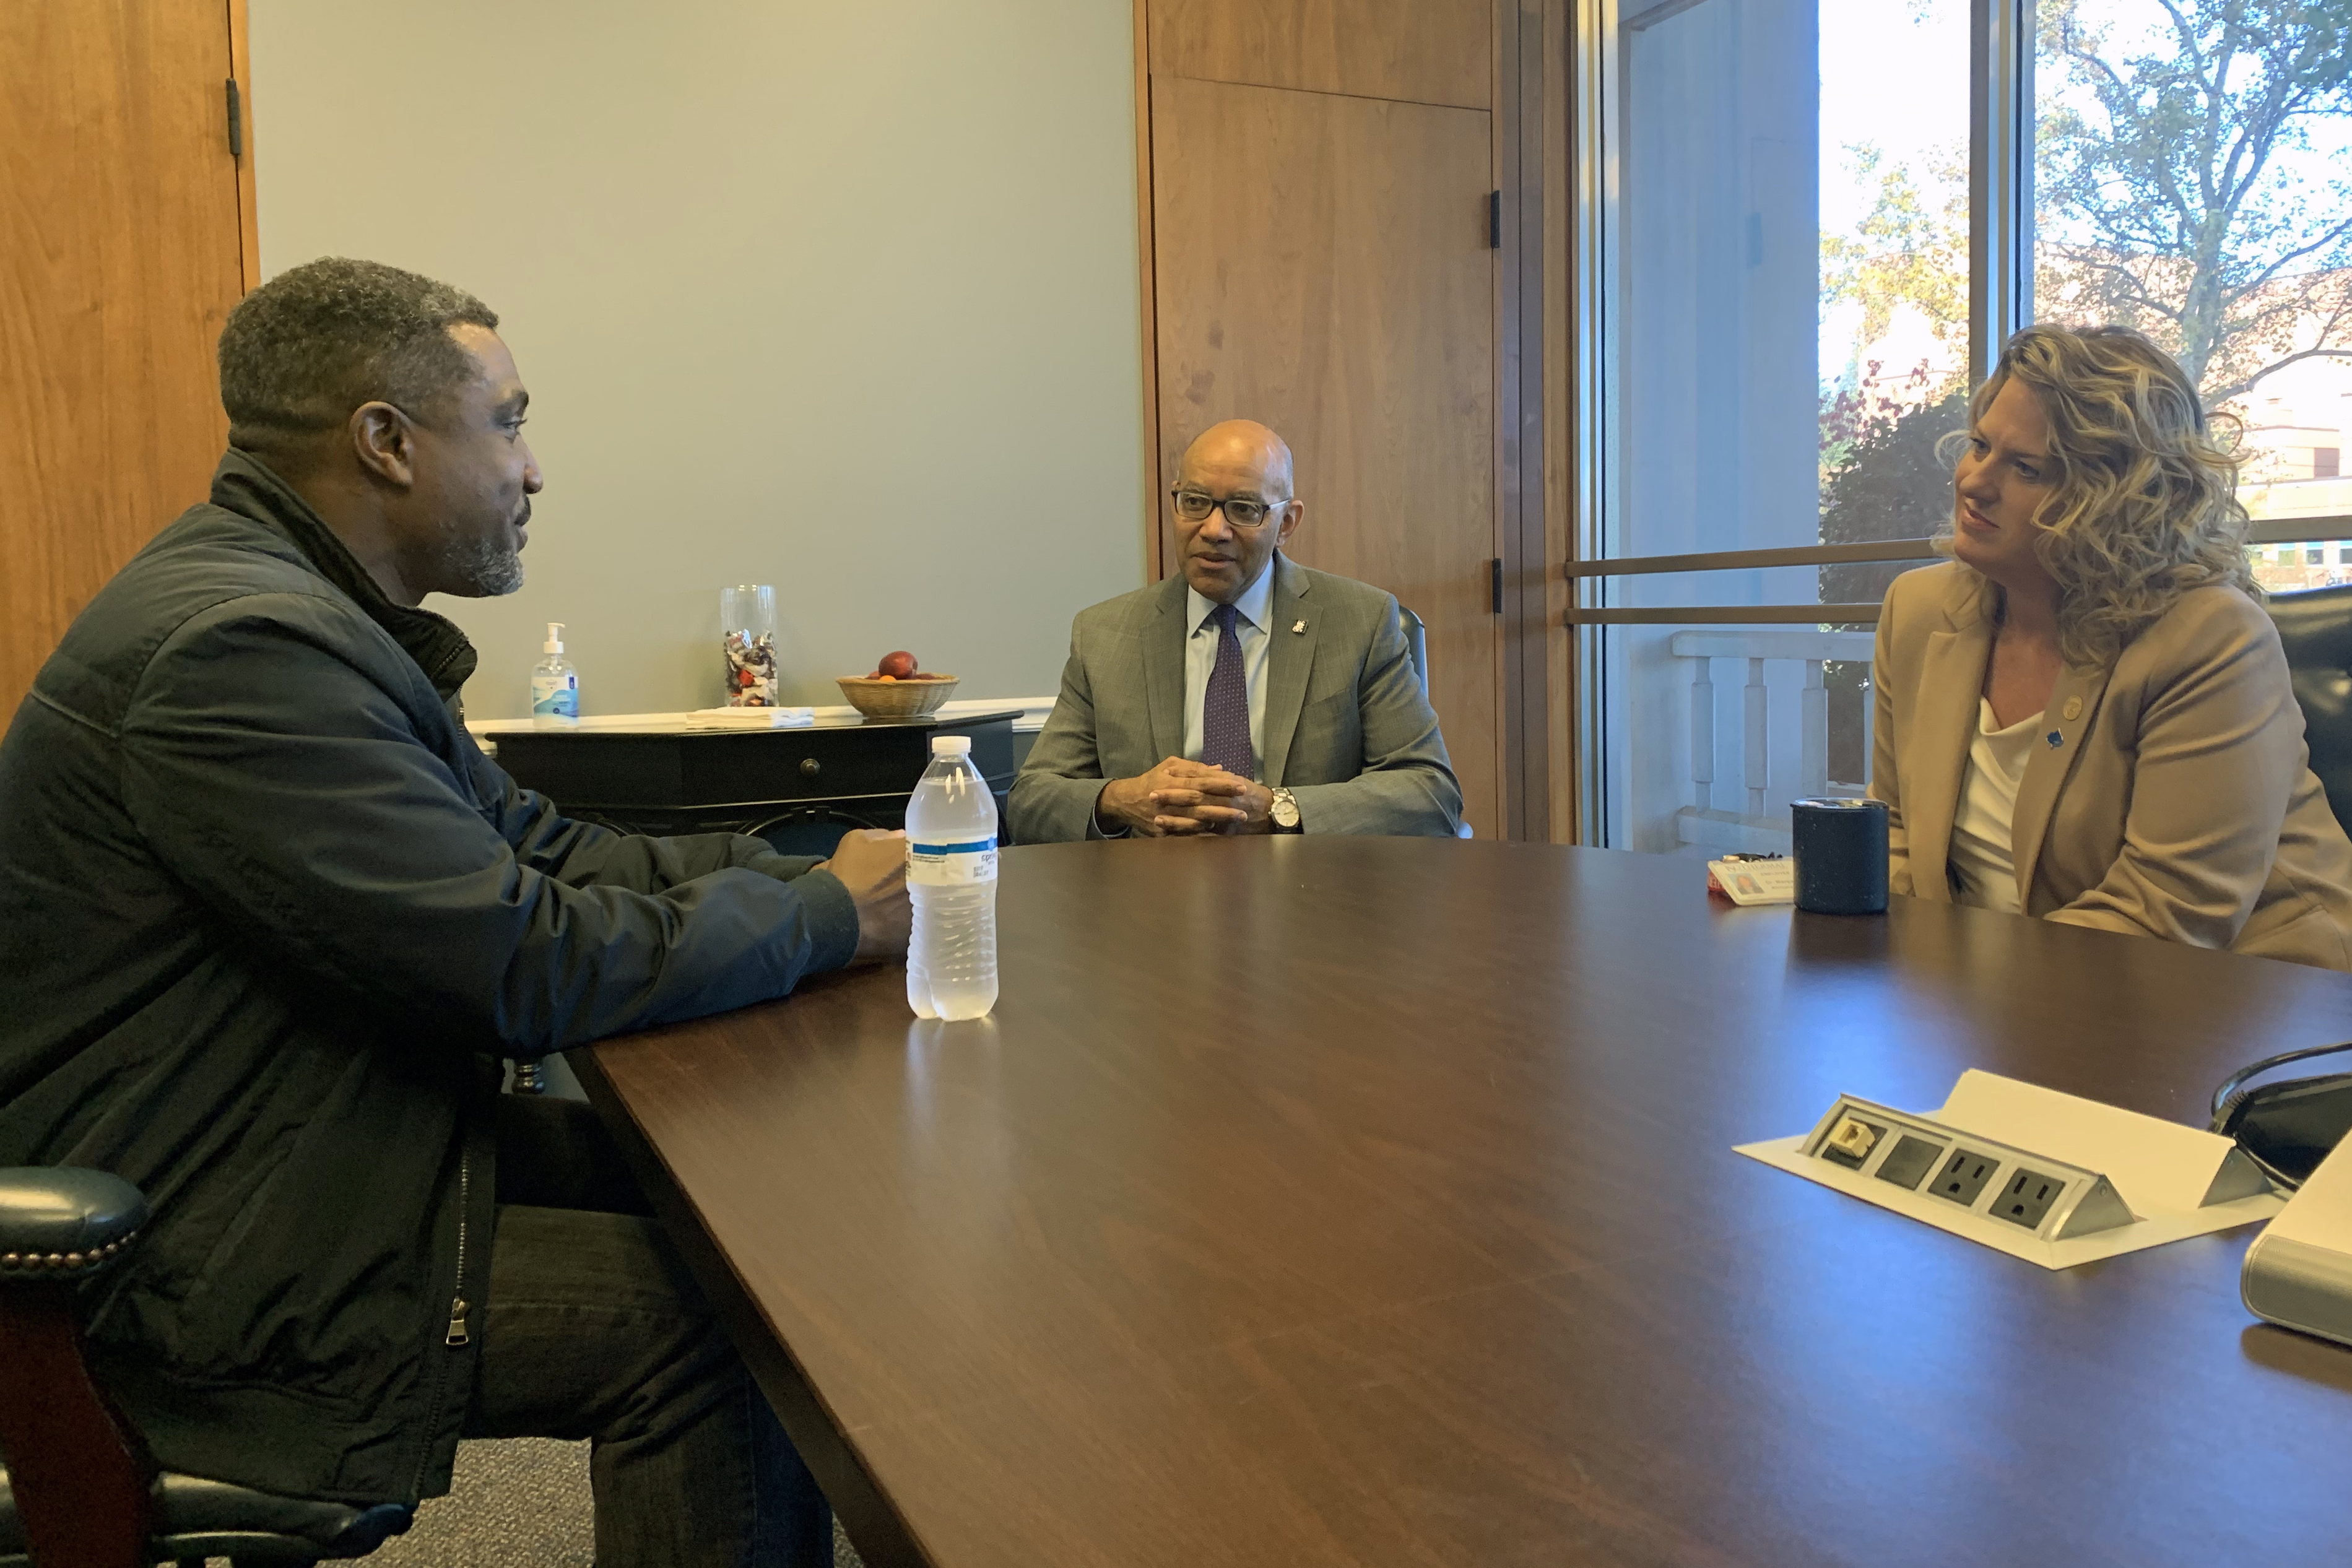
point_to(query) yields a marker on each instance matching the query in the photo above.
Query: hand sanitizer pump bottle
(554, 686)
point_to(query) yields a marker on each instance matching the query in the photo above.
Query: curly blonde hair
(2143, 504)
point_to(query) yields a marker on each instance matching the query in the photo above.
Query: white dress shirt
(1255, 605)
(1982, 856)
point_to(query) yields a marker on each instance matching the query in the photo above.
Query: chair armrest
(59, 1221)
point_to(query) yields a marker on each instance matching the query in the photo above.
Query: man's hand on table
(1182, 799)
(871, 862)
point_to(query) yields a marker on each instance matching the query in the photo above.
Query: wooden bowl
(895, 699)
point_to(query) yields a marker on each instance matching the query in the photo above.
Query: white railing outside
(1753, 829)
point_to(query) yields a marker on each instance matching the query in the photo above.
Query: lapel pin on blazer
(2056, 738)
(1298, 626)
(2073, 708)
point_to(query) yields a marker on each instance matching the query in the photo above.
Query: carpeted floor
(518, 1504)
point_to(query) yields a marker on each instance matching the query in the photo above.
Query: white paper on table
(2321, 1214)
(751, 718)
(2161, 1168)
(489, 730)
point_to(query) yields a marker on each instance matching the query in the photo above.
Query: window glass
(1791, 339)
(2191, 182)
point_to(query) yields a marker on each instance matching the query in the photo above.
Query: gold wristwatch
(1286, 813)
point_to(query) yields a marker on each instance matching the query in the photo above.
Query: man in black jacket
(267, 918)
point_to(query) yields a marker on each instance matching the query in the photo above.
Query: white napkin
(751, 718)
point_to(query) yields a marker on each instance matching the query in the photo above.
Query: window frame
(2001, 300)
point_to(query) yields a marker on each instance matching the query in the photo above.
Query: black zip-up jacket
(268, 915)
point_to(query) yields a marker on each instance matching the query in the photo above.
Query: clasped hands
(1180, 798)
(871, 862)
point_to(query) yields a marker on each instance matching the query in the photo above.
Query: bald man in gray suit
(1248, 694)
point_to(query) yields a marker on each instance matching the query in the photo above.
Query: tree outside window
(2191, 169)
(2190, 181)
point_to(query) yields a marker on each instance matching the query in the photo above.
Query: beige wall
(836, 296)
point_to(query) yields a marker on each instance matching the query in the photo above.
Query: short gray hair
(311, 344)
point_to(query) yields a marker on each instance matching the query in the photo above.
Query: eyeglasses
(1193, 506)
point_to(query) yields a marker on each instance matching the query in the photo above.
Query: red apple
(898, 666)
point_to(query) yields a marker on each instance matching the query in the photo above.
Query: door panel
(1421, 51)
(119, 258)
(1320, 265)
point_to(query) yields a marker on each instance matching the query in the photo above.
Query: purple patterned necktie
(1224, 709)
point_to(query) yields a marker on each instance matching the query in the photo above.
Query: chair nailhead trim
(65, 1262)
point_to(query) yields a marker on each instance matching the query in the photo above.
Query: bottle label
(555, 697)
(951, 865)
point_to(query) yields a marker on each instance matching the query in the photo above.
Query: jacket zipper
(459, 1338)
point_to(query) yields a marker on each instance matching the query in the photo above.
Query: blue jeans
(595, 1330)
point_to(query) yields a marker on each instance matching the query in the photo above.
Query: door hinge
(1497, 580)
(1494, 215)
(235, 121)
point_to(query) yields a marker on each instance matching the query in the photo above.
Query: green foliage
(1890, 484)
(1912, 249)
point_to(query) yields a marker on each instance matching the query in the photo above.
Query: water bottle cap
(950, 745)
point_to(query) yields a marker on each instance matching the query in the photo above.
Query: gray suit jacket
(1348, 728)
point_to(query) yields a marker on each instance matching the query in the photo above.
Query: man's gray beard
(490, 568)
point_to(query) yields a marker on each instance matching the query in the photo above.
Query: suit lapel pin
(1298, 626)
(2056, 738)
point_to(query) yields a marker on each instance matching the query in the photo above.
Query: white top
(1255, 604)
(1981, 857)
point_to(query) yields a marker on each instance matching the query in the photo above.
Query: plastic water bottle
(554, 686)
(951, 879)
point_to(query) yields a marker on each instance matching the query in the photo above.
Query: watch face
(1286, 811)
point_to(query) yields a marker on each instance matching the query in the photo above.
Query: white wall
(840, 296)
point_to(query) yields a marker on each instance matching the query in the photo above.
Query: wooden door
(1320, 262)
(123, 244)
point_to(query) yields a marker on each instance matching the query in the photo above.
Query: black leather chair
(79, 1486)
(2316, 629)
(819, 830)
(1416, 645)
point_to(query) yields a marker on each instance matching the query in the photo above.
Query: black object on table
(1840, 848)
(799, 789)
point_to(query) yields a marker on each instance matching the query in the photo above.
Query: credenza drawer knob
(811, 767)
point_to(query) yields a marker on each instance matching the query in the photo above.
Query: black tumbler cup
(1841, 852)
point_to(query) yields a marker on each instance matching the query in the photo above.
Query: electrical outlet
(1964, 1175)
(1909, 1160)
(2027, 1197)
(1851, 1141)
(1972, 1170)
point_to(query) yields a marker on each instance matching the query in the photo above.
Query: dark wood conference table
(1372, 1201)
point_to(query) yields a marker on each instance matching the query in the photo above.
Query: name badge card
(1754, 881)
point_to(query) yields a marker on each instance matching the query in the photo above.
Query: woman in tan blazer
(2084, 716)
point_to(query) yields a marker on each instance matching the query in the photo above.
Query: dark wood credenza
(800, 788)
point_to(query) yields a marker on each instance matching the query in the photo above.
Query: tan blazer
(2170, 794)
